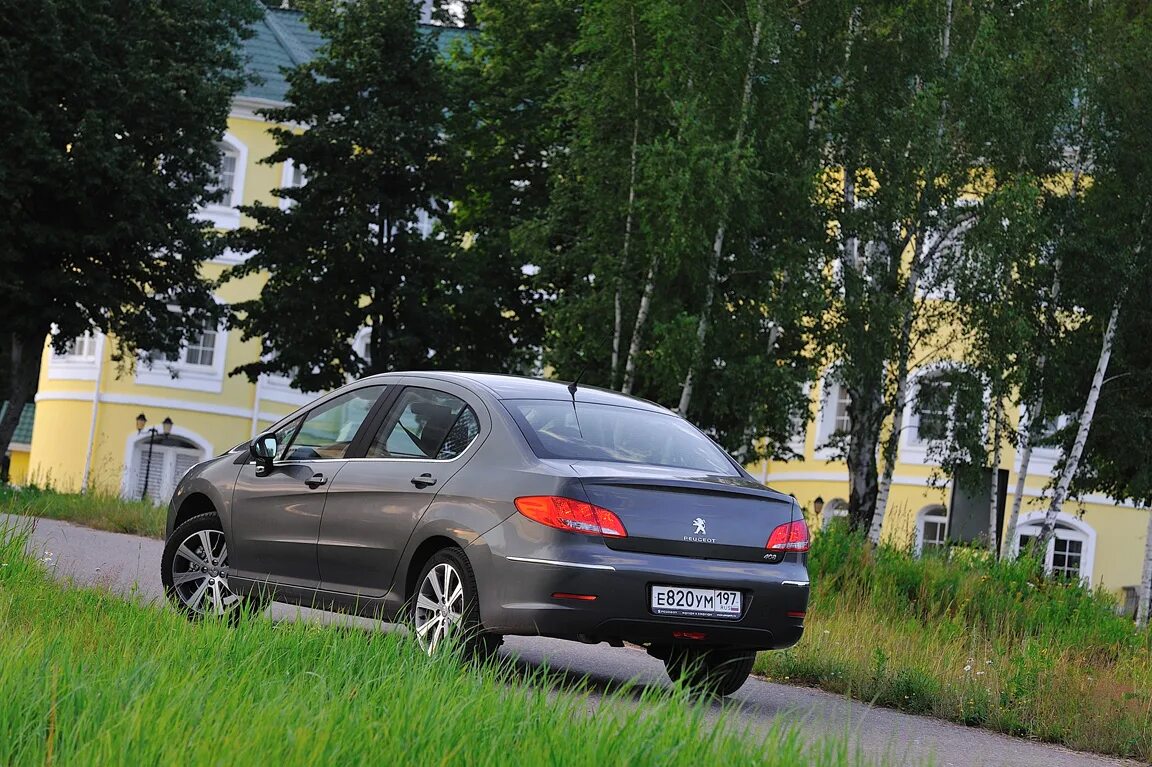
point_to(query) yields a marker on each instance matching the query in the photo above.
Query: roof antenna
(572, 391)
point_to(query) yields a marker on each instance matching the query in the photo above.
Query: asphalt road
(130, 565)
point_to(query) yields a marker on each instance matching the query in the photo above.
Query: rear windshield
(592, 432)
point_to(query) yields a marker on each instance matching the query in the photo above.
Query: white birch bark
(705, 323)
(1145, 595)
(641, 320)
(618, 328)
(994, 493)
(1072, 462)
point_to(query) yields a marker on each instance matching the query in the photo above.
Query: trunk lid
(684, 513)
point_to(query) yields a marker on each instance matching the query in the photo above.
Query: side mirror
(263, 449)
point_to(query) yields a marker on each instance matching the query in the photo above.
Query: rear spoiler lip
(692, 485)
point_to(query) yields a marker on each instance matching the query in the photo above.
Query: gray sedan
(474, 506)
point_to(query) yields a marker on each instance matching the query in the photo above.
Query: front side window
(428, 425)
(327, 432)
(595, 432)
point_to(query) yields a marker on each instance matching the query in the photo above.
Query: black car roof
(517, 387)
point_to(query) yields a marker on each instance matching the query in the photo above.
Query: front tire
(710, 671)
(194, 570)
(445, 607)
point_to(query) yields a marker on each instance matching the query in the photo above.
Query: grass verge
(101, 511)
(987, 644)
(87, 678)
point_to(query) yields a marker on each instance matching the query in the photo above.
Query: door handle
(423, 481)
(316, 480)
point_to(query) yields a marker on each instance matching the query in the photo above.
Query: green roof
(23, 435)
(282, 40)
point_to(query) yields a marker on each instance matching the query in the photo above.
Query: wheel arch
(194, 505)
(425, 551)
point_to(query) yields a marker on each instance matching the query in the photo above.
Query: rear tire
(445, 607)
(710, 670)
(194, 570)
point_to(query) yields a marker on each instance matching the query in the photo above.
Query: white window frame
(287, 181)
(935, 513)
(360, 343)
(77, 367)
(205, 378)
(831, 392)
(953, 241)
(223, 214)
(1073, 529)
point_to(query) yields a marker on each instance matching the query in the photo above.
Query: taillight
(568, 514)
(792, 536)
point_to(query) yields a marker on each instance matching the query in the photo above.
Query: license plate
(700, 603)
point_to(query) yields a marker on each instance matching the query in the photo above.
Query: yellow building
(86, 430)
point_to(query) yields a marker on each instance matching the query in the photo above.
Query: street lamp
(166, 428)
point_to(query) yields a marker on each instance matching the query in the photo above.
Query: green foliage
(346, 250)
(111, 110)
(88, 678)
(959, 635)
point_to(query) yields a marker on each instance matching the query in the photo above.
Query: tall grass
(87, 678)
(102, 511)
(979, 642)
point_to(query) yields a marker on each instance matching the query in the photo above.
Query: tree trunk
(1030, 434)
(866, 420)
(704, 325)
(618, 328)
(1072, 462)
(1145, 593)
(23, 352)
(994, 494)
(641, 320)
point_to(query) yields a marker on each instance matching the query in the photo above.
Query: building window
(934, 407)
(834, 418)
(1069, 552)
(80, 348)
(79, 360)
(931, 529)
(199, 366)
(228, 185)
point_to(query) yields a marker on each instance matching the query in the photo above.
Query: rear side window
(597, 432)
(426, 425)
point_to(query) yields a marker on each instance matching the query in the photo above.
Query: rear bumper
(517, 594)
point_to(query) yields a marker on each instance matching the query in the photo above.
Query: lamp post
(141, 422)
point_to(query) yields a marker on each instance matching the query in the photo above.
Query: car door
(276, 513)
(376, 501)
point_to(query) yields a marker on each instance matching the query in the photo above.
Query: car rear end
(643, 551)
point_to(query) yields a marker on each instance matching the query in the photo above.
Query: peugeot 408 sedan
(476, 506)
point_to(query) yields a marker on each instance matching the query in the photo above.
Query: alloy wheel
(439, 606)
(200, 574)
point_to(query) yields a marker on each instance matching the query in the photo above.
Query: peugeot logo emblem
(699, 523)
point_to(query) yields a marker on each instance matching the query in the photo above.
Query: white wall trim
(20, 447)
(160, 404)
(231, 257)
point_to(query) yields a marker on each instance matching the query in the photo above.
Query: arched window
(1070, 551)
(229, 183)
(931, 528)
(837, 507)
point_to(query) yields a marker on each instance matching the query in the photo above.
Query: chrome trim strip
(794, 583)
(560, 564)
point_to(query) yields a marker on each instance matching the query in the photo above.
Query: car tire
(709, 670)
(194, 570)
(445, 605)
